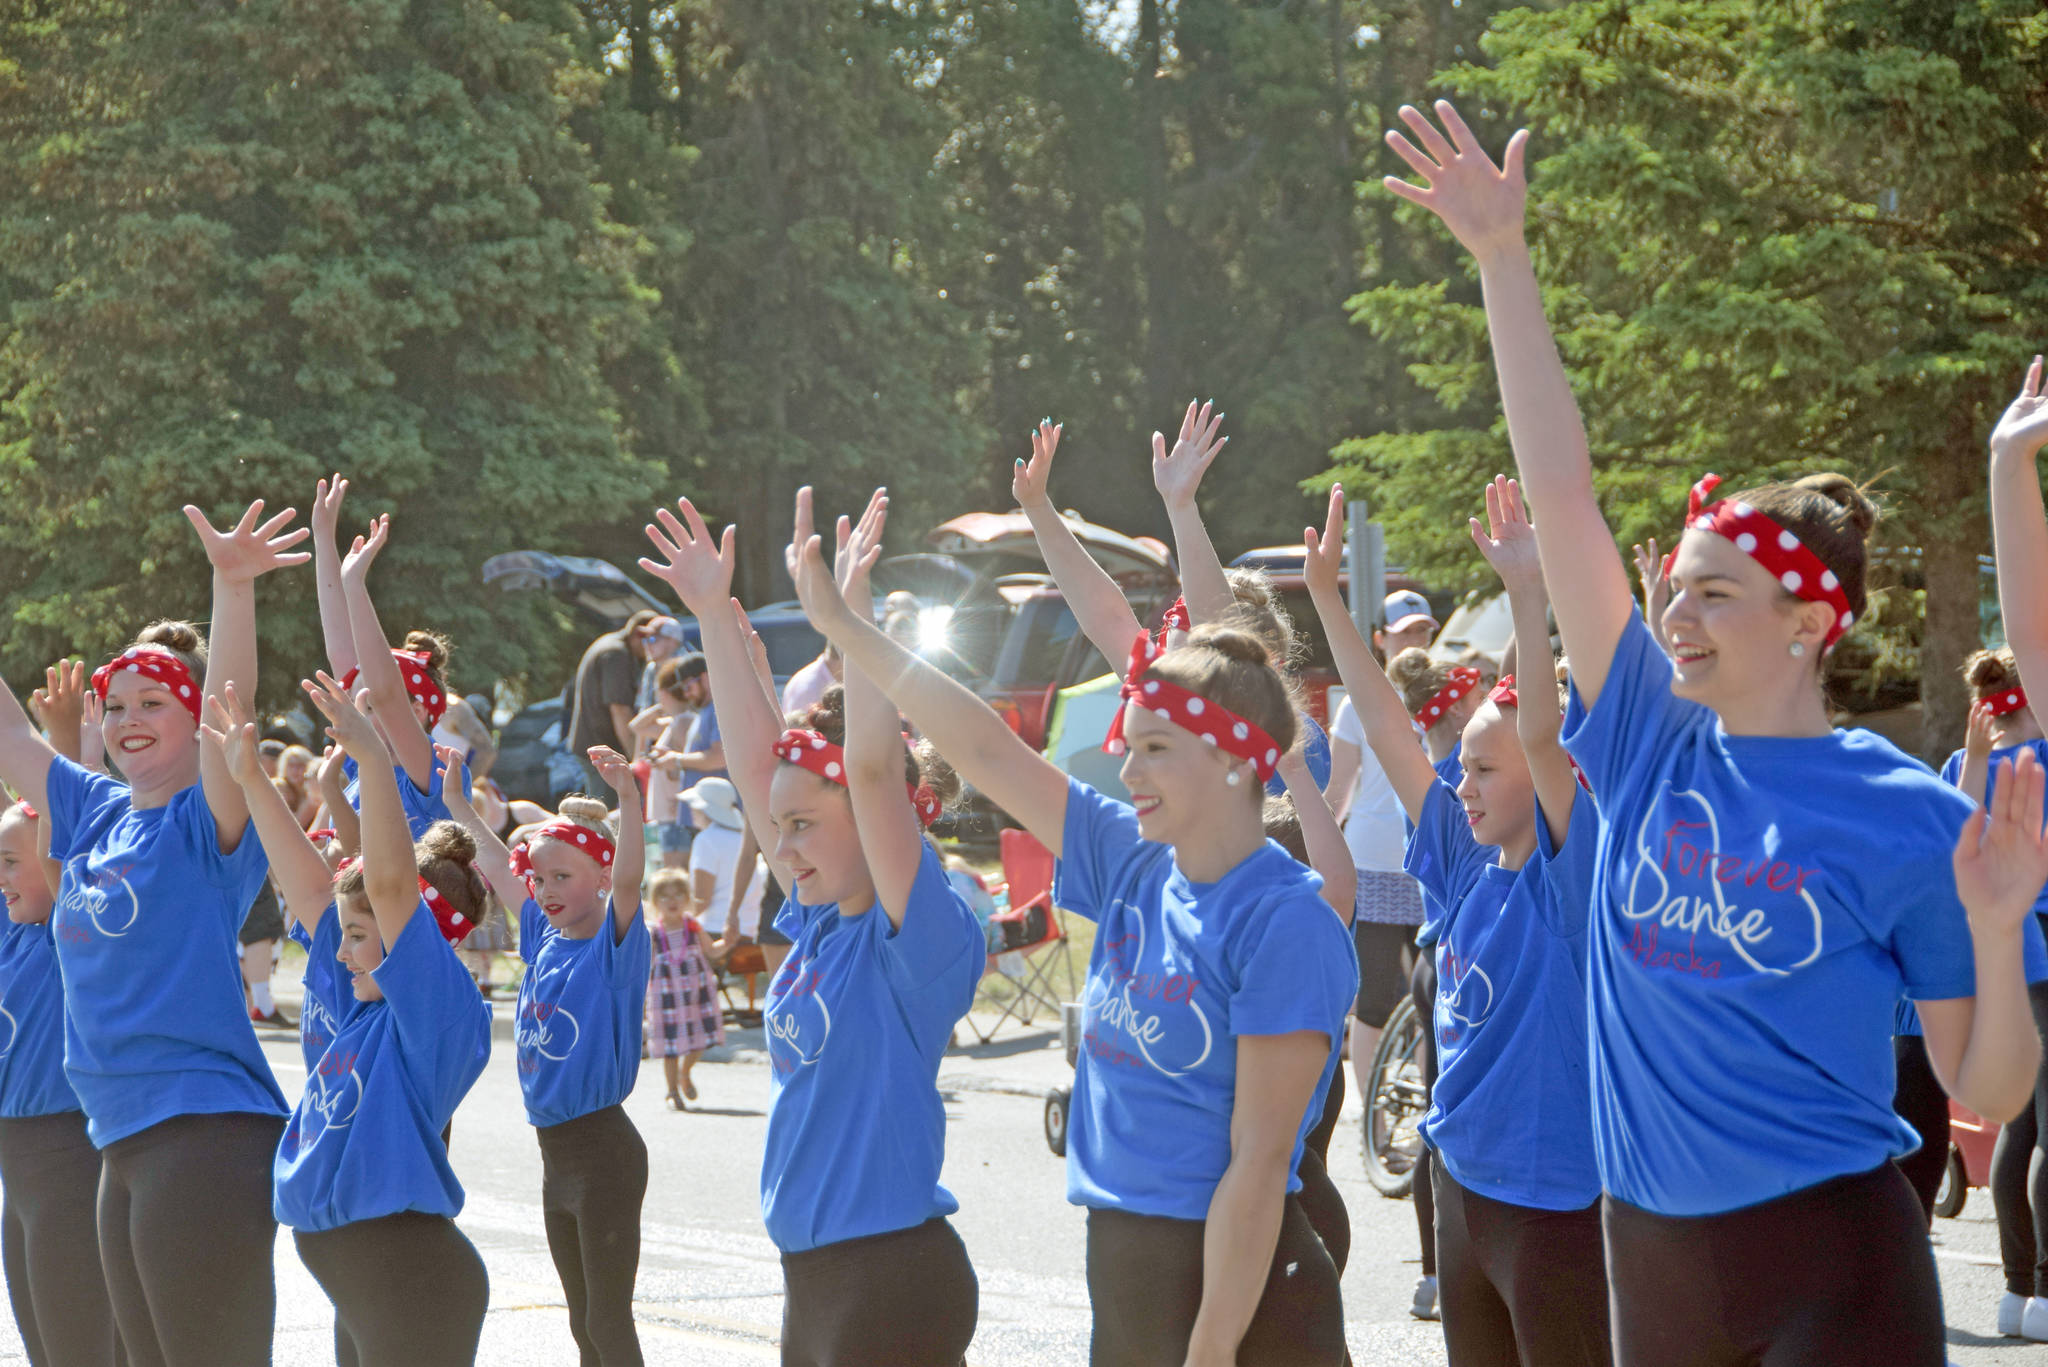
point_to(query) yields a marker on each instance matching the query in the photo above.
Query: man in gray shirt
(607, 679)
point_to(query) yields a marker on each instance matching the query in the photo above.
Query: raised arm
(629, 861)
(1974, 777)
(1656, 590)
(2019, 527)
(24, 755)
(348, 827)
(493, 858)
(1388, 728)
(334, 625)
(1177, 475)
(302, 875)
(60, 703)
(1328, 855)
(391, 877)
(240, 556)
(1098, 604)
(1509, 544)
(1482, 205)
(410, 743)
(973, 739)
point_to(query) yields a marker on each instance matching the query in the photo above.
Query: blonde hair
(662, 880)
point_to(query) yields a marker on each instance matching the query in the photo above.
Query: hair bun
(827, 716)
(446, 840)
(1847, 494)
(431, 644)
(589, 811)
(1990, 671)
(1231, 643)
(174, 635)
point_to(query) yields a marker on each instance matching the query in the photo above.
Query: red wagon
(1970, 1140)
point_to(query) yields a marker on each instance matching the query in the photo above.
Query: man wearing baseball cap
(1408, 623)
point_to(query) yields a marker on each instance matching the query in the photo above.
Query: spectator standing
(806, 688)
(606, 684)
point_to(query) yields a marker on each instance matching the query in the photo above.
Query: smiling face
(1732, 626)
(362, 946)
(149, 733)
(1179, 782)
(570, 886)
(1498, 795)
(21, 871)
(816, 840)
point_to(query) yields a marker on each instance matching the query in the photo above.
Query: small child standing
(683, 1016)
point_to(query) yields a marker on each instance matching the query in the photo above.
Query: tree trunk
(1950, 547)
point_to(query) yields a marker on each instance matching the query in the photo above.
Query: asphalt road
(709, 1289)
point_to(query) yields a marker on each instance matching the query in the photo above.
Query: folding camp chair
(743, 967)
(1035, 940)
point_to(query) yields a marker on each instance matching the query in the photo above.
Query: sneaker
(1424, 1305)
(2034, 1320)
(2010, 1307)
(276, 1020)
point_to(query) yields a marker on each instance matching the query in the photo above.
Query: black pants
(1319, 1197)
(1519, 1287)
(186, 1240)
(1145, 1287)
(908, 1298)
(1921, 1103)
(409, 1289)
(2019, 1179)
(593, 1180)
(49, 1242)
(1837, 1275)
(1422, 988)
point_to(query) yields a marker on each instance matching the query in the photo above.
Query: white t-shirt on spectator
(1374, 828)
(716, 851)
(807, 686)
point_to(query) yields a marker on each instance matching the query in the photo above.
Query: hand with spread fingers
(1481, 203)
(252, 547)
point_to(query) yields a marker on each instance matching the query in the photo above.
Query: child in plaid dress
(683, 1017)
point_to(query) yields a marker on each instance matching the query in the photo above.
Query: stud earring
(1233, 778)
(1798, 649)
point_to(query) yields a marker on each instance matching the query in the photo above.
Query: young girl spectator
(586, 951)
(683, 1016)
(295, 782)
(362, 1175)
(885, 961)
(159, 873)
(49, 1170)
(1766, 886)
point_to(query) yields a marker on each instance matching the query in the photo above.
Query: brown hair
(923, 766)
(446, 857)
(588, 812)
(181, 639)
(1991, 671)
(661, 880)
(1832, 516)
(1232, 669)
(670, 675)
(1257, 610)
(1283, 826)
(1417, 677)
(435, 647)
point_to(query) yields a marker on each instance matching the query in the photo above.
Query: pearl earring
(1798, 649)
(1233, 778)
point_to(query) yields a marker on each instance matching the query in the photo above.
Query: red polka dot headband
(810, 750)
(1191, 712)
(1176, 619)
(453, 925)
(1759, 537)
(416, 669)
(151, 662)
(1504, 694)
(2006, 701)
(1464, 678)
(581, 839)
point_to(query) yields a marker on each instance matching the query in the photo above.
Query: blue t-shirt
(1760, 904)
(1179, 972)
(329, 991)
(857, 1021)
(580, 1005)
(703, 734)
(1450, 771)
(1315, 749)
(31, 1025)
(365, 1139)
(1511, 1115)
(155, 1024)
(421, 809)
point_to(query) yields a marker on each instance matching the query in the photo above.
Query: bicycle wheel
(1398, 1101)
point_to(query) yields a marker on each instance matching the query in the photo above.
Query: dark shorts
(772, 898)
(1386, 958)
(265, 920)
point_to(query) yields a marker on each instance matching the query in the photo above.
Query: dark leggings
(1921, 1103)
(186, 1240)
(593, 1180)
(1319, 1197)
(1145, 1287)
(2019, 1179)
(376, 1273)
(1519, 1287)
(908, 1298)
(1422, 988)
(1837, 1275)
(50, 1176)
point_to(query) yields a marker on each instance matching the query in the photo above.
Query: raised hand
(1177, 474)
(757, 653)
(1322, 558)
(1507, 540)
(2024, 427)
(615, 769)
(2001, 859)
(859, 547)
(251, 548)
(692, 563)
(229, 728)
(1481, 203)
(355, 566)
(327, 497)
(816, 588)
(1030, 482)
(92, 741)
(60, 702)
(347, 724)
(1977, 739)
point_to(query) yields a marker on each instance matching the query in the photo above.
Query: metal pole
(1364, 607)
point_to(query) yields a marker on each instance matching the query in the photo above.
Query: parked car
(603, 595)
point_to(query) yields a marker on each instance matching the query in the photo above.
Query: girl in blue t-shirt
(408, 688)
(1218, 988)
(1506, 857)
(586, 950)
(884, 960)
(362, 1175)
(1766, 886)
(158, 874)
(49, 1170)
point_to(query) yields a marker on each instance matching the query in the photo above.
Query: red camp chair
(1027, 869)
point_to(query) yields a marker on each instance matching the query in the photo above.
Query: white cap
(1406, 607)
(718, 800)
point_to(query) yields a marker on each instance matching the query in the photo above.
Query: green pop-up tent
(1073, 738)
